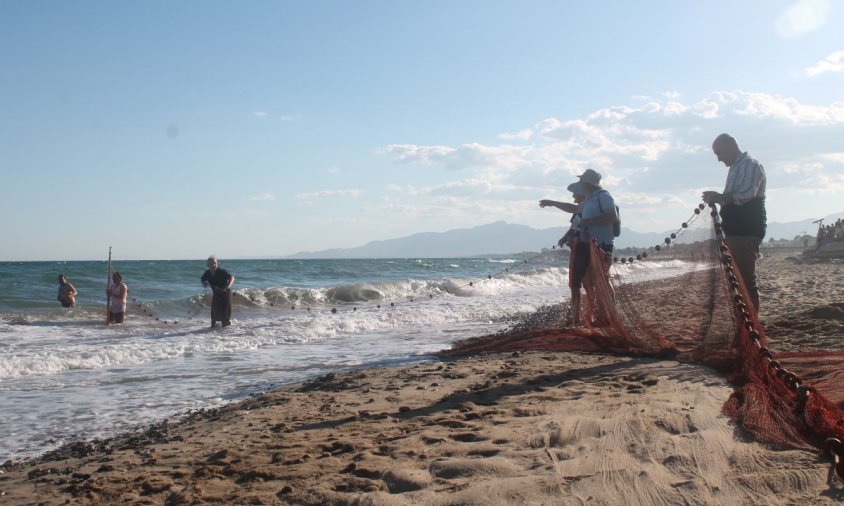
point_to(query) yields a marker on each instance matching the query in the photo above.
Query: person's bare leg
(590, 301)
(575, 308)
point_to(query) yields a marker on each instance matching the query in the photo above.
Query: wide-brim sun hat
(591, 177)
(576, 189)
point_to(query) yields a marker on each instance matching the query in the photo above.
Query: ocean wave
(399, 290)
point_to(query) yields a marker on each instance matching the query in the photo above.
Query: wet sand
(534, 427)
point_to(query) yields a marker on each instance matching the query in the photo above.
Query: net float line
(793, 399)
(352, 307)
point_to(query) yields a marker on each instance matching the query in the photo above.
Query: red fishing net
(685, 299)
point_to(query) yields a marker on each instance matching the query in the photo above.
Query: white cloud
(523, 135)
(467, 156)
(834, 157)
(813, 174)
(263, 196)
(801, 18)
(832, 63)
(706, 108)
(655, 156)
(333, 169)
(606, 132)
(829, 183)
(309, 198)
(283, 117)
(407, 153)
(763, 105)
(467, 187)
(675, 108)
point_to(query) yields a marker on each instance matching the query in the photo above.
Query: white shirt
(575, 222)
(118, 302)
(745, 179)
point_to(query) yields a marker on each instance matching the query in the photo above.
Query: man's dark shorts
(579, 264)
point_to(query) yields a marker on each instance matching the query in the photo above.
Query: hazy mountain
(502, 238)
(794, 228)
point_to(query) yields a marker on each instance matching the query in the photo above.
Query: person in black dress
(221, 300)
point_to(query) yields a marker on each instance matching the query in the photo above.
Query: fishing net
(696, 308)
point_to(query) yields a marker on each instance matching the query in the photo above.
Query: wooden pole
(108, 289)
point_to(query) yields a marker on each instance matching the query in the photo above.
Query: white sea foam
(64, 375)
(502, 261)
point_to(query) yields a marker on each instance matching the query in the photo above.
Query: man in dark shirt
(221, 300)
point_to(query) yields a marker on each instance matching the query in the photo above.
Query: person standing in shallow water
(221, 299)
(67, 293)
(117, 292)
(743, 215)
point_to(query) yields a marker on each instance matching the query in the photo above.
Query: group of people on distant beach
(117, 292)
(595, 218)
(832, 232)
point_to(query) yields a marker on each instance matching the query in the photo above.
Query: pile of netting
(685, 299)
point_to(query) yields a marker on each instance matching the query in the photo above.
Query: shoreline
(523, 427)
(518, 427)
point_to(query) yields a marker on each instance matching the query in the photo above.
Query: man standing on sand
(579, 258)
(598, 216)
(743, 215)
(221, 300)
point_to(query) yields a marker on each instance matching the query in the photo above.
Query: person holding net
(743, 216)
(579, 258)
(598, 217)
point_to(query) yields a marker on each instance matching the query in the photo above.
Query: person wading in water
(221, 300)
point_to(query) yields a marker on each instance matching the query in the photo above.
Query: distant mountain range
(502, 238)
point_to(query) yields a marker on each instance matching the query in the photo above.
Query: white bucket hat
(591, 177)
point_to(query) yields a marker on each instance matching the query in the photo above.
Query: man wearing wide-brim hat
(597, 212)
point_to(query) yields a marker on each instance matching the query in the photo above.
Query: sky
(176, 130)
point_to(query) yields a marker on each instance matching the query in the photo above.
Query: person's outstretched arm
(562, 206)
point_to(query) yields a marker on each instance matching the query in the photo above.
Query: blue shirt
(598, 204)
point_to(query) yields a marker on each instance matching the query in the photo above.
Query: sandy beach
(532, 427)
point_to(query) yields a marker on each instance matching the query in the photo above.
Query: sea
(65, 376)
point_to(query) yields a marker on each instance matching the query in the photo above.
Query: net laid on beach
(698, 310)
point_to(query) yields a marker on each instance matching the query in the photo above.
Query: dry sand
(511, 428)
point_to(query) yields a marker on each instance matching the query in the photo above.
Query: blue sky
(256, 129)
